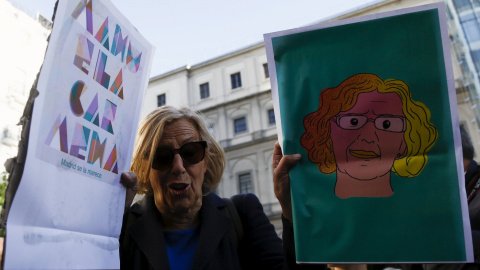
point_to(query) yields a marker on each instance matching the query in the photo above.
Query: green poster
(370, 105)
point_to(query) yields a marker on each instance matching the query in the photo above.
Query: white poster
(67, 212)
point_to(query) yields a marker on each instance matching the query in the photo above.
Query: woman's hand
(281, 181)
(130, 183)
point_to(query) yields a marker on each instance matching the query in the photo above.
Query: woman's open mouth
(363, 154)
(179, 188)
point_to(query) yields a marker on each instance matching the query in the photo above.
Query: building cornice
(229, 55)
(212, 61)
(168, 74)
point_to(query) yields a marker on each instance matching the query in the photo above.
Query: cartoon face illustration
(364, 129)
(369, 137)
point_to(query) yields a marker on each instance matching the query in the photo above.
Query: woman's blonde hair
(149, 135)
(420, 134)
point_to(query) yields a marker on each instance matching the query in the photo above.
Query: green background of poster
(422, 221)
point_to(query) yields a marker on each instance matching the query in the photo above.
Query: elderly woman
(180, 223)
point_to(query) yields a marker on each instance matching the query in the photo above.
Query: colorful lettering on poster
(89, 144)
(119, 44)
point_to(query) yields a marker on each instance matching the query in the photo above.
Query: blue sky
(187, 32)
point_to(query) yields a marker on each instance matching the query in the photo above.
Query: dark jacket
(142, 244)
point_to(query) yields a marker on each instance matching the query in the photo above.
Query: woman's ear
(402, 151)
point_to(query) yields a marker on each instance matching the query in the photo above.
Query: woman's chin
(183, 205)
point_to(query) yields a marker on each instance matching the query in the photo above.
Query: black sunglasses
(191, 153)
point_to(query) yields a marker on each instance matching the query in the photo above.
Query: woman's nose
(177, 164)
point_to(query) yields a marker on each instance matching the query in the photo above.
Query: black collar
(148, 234)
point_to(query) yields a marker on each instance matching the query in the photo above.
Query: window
(236, 80)
(240, 125)
(265, 70)
(245, 183)
(471, 28)
(204, 90)
(476, 58)
(271, 117)
(161, 100)
(7, 133)
(462, 5)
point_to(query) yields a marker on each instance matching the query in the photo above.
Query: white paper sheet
(67, 212)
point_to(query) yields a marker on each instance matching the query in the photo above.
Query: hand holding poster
(370, 105)
(67, 211)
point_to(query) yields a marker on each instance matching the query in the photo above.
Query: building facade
(233, 92)
(23, 46)
(464, 16)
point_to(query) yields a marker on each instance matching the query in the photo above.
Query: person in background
(472, 182)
